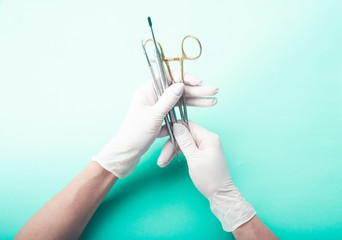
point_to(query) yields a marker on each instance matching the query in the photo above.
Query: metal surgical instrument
(161, 84)
(159, 93)
(161, 69)
(160, 58)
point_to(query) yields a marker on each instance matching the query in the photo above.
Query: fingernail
(178, 88)
(159, 164)
(178, 129)
(214, 101)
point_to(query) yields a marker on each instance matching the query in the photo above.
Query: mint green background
(68, 70)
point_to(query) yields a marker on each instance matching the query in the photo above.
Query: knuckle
(164, 105)
(215, 138)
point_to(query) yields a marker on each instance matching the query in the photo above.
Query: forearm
(66, 214)
(254, 229)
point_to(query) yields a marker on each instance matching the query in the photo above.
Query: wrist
(118, 158)
(229, 206)
(103, 173)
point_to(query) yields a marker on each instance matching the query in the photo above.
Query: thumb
(169, 98)
(184, 139)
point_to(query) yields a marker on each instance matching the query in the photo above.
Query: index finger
(189, 79)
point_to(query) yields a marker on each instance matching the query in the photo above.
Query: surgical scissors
(182, 103)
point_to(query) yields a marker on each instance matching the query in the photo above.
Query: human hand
(209, 172)
(144, 120)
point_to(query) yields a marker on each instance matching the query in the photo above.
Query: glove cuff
(117, 159)
(231, 208)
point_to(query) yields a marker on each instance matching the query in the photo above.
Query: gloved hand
(144, 120)
(209, 172)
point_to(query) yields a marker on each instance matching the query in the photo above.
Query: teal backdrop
(68, 70)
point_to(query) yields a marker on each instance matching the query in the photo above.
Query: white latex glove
(144, 120)
(209, 172)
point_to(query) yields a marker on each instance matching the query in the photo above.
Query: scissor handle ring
(199, 45)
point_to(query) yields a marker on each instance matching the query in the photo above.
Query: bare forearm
(254, 229)
(66, 214)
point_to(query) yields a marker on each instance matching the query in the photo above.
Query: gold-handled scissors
(184, 113)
